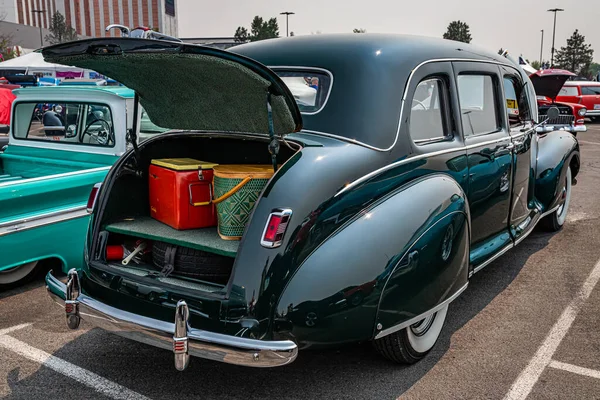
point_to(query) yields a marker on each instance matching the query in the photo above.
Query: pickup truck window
(69, 123)
(478, 106)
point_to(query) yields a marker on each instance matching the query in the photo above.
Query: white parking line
(530, 375)
(592, 373)
(13, 328)
(81, 375)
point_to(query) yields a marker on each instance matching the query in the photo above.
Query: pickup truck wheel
(414, 342)
(555, 221)
(19, 274)
(192, 263)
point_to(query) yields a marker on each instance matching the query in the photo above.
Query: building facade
(90, 17)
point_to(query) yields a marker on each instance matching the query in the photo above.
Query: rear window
(310, 88)
(68, 123)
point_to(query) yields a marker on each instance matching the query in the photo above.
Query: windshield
(310, 88)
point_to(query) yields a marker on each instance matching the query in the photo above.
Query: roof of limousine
(370, 72)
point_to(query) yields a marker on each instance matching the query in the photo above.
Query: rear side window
(478, 105)
(427, 114)
(568, 91)
(590, 90)
(69, 123)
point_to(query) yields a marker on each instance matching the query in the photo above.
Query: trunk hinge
(274, 142)
(132, 133)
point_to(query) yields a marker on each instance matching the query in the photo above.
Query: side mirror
(71, 131)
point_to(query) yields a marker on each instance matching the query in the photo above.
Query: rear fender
(556, 151)
(335, 295)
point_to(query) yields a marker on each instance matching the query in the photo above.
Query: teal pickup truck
(62, 141)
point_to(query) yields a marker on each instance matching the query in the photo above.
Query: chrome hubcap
(421, 327)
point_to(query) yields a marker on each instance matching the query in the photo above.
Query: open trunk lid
(548, 82)
(189, 87)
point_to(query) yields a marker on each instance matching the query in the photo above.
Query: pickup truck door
(489, 157)
(523, 211)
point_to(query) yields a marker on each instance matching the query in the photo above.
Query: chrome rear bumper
(178, 336)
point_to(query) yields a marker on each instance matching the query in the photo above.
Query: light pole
(542, 50)
(287, 16)
(39, 13)
(554, 10)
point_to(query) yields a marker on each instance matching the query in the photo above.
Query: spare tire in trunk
(191, 263)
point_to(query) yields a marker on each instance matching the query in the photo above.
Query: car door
(591, 98)
(489, 157)
(524, 141)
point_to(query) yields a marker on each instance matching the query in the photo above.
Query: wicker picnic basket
(236, 189)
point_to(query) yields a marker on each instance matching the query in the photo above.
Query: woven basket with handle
(236, 189)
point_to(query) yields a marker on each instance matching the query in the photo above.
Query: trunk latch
(180, 339)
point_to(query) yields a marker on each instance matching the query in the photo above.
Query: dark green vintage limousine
(406, 165)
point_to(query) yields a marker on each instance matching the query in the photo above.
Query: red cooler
(181, 193)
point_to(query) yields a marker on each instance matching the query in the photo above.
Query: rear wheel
(18, 275)
(555, 221)
(414, 342)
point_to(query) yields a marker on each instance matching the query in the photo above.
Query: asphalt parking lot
(528, 326)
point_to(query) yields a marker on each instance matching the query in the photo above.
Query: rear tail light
(92, 199)
(275, 228)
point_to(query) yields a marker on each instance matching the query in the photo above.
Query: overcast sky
(512, 24)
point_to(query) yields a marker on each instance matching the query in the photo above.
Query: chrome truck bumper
(177, 336)
(568, 128)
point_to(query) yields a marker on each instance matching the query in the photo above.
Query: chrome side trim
(204, 344)
(63, 175)
(413, 320)
(416, 158)
(299, 68)
(494, 257)
(23, 224)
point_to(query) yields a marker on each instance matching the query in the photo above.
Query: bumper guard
(177, 336)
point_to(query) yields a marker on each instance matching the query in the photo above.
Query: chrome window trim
(63, 175)
(410, 77)
(317, 69)
(36, 221)
(413, 320)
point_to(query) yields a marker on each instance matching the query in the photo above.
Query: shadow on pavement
(33, 282)
(355, 372)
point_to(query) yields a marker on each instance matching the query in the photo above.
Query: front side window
(309, 88)
(478, 108)
(71, 123)
(517, 105)
(427, 122)
(590, 90)
(568, 91)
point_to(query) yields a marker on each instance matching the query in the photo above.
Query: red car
(586, 93)
(547, 84)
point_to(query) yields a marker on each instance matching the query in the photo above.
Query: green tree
(359, 30)
(577, 56)
(459, 31)
(60, 31)
(259, 30)
(536, 64)
(594, 70)
(6, 41)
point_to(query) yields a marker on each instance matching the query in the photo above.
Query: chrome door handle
(510, 146)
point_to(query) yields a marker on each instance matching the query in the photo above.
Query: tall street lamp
(542, 50)
(39, 13)
(554, 10)
(287, 16)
